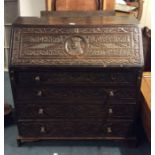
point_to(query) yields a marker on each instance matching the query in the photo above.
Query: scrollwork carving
(104, 46)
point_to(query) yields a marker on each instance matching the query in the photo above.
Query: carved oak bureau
(76, 78)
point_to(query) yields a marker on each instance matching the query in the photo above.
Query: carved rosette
(115, 45)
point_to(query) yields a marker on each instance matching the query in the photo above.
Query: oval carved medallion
(75, 45)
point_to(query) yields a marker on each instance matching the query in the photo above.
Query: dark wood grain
(83, 20)
(72, 77)
(80, 128)
(81, 110)
(76, 81)
(61, 93)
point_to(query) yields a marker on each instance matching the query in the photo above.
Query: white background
(31, 7)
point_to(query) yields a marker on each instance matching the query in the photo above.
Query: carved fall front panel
(105, 46)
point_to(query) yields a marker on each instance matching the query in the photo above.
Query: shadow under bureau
(76, 79)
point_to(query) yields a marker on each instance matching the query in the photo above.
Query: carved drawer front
(71, 110)
(75, 77)
(74, 93)
(76, 128)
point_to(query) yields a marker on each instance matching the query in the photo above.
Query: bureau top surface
(85, 41)
(85, 20)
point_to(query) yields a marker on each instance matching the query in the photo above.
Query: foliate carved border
(135, 57)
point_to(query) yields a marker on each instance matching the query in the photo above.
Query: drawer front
(74, 93)
(76, 128)
(75, 111)
(73, 77)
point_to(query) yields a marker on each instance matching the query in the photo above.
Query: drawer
(74, 93)
(75, 77)
(76, 128)
(71, 110)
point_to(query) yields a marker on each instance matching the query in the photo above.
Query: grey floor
(65, 148)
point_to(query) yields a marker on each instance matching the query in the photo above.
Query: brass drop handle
(111, 93)
(39, 93)
(37, 78)
(41, 111)
(110, 110)
(109, 130)
(42, 129)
